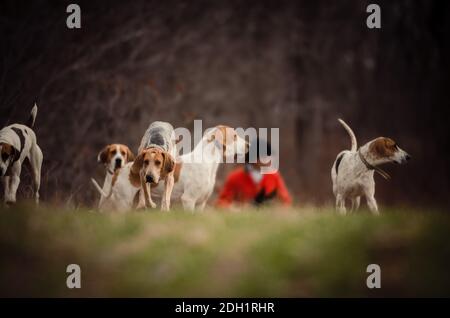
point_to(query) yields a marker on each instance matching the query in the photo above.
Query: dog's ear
(169, 163)
(130, 155)
(383, 147)
(211, 138)
(103, 155)
(220, 135)
(137, 164)
(8, 152)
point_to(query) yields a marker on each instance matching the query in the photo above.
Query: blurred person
(247, 185)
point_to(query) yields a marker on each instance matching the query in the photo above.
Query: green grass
(300, 252)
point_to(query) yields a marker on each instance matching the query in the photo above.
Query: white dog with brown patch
(113, 157)
(17, 143)
(353, 170)
(194, 179)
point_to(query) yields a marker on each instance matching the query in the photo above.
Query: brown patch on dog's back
(383, 147)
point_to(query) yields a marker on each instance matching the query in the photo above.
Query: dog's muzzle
(118, 163)
(149, 179)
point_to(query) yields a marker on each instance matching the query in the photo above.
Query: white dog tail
(351, 134)
(102, 193)
(30, 122)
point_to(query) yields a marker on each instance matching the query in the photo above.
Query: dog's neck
(370, 161)
(209, 155)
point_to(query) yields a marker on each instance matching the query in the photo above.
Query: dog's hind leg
(188, 202)
(201, 206)
(355, 203)
(36, 167)
(340, 204)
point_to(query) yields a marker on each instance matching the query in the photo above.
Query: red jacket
(240, 187)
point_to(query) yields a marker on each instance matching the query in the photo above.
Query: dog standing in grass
(353, 170)
(17, 143)
(113, 157)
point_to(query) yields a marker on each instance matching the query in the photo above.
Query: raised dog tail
(32, 118)
(97, 186)
(351, 134)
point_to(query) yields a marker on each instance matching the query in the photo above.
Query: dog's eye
(114, 152)
(123, 153)
(157, 162)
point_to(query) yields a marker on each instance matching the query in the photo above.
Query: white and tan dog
(353, 170)
(113, 157)
(194, 179)
(17, 143)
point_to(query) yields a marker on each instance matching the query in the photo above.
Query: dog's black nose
(149, 179)
(118, 162)
(408, 157)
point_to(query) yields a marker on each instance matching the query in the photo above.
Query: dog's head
(8, 153)
(228, 140)
(385, 150)
(152, 165)
(115, 156)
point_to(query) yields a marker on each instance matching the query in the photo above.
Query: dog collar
(382, 173)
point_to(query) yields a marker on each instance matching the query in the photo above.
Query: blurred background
(293, 65)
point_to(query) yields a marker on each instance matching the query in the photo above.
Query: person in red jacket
(248, 185)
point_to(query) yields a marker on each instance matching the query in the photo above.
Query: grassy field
(304, 252)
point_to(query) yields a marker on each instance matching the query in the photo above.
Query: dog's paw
(9, 203)
(152, 205)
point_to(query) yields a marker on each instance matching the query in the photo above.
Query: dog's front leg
(6, 182)
(371, 202)
(145, 193)
(150, 200)
(168, 187)
(14, 180)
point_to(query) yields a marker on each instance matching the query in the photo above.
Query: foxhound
(18, 142)
(353, 170)
(113, 157)
(193, 180)
(155, 162)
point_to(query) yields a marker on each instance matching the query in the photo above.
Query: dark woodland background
(296, 65)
